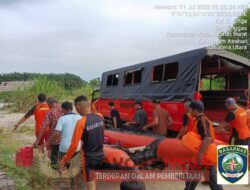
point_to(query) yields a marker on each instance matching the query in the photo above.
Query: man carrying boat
(236, 120)
(188, 120)
(161, 119)
(244, 104)
(203, 127)
(140, 118)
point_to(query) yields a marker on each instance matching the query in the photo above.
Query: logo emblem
(232, 164)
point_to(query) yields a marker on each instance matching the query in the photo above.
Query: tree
(232, 40)
(95, 82)
(66, 80)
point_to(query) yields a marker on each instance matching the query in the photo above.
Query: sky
(89, 37)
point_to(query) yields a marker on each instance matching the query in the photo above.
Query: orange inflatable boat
(117, 158)
(169, 150)
(128, 139)
(193, 142)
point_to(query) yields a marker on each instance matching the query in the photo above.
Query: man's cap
(138, 102)
(230, 102)
(197, 105)
(156, 101)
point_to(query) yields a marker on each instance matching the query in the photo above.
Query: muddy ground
(7, 121)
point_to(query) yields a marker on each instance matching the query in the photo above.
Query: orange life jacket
(40, 113)
(248, 118)
(240, 123)
(204, 119)
(190, 122)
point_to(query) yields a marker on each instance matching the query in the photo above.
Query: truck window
(96, 95)
(213, 82)
(137, 76)
(113, 80)
(238, 80)
(128, 78)
(158, 73)
(133, 77)
(170, 71)
(165, 72)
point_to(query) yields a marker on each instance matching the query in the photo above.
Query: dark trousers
(191, 185)
(132, 128)
(91, 162)
(242, 141)
(238, 141)
(54, 149)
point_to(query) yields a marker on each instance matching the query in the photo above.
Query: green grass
(24, 99)
(5, 96)
(26, 129)
(25, 178)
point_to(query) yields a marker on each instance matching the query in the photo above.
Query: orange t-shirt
(39, 113)
(240, 123)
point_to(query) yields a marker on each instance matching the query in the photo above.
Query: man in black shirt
(115, 116)
(140, 118)
(89, 130)
(188, 119)
(204, 128)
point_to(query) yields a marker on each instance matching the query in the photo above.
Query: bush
(86, 90)
(66, 80)
(25, 178)
(23, 99)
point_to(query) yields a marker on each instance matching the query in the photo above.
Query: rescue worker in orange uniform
(188, 120)
(248, 118)
(90, 130)
(243, 103)
(236, 120)
(203, 127)
(39, 111)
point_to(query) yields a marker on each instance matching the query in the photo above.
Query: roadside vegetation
(22, 99)
(66, 80)
(225, 40)
(25, 178)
